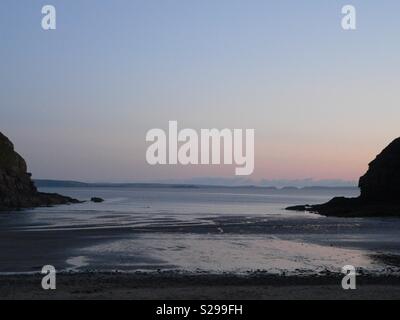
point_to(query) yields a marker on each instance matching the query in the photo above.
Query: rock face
(380, 190)
(382, 181)
(17, 190)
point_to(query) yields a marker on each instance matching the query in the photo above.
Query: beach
(211, 243)
(171, 286)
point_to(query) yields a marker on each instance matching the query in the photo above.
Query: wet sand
(223, 243)
(171, 286)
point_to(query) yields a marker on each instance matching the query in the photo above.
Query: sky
(78, 101)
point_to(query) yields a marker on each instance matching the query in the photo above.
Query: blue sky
(78, 101)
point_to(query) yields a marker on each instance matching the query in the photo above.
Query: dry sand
(166, 286)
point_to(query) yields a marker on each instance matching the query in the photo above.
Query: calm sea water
(200, 229)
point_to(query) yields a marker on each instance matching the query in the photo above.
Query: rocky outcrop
(97, 200)
(380, 190)
(17, 190)
(382, 180)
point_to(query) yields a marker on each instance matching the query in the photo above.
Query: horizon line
(77, 183)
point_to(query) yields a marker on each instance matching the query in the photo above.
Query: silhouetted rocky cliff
(380, 190)
(17, 190)
(382, 181)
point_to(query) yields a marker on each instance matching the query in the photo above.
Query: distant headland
(380, 190)
(17, 190)
(46, 183)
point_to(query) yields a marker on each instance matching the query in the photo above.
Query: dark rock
(17, 190)
(97, 200)
(351, 207)
(380, 190)
(382, 180)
